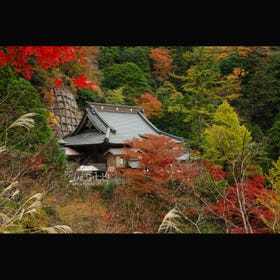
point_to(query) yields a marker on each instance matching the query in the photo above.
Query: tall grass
(170, 222)
(14, 207)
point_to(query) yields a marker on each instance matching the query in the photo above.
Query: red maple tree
(157, 165)
(23, 59)
(241, 207)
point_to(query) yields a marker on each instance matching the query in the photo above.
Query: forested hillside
(223, 100)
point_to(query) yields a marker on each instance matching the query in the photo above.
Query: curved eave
(177, 138)
(95, 111)
(85, 139)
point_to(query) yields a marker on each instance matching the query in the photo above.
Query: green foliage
(109, 56)
(228, 63)
(23, 213)
(52, 155)
(179, 64)
(17, 92)
(210, 226)
(204, 87)
(49, 210)
(108, 189)
(115, 96)
(19, 98)
(273, 201)
(168, 94)
(261, 92)
(198, 84)
(256, 132)
(274, 175)
(127, 75)
(226, 139)
(172, 120)
(138, 55)
(226, 116)
(86, 95)
(274, 140)
(262, 157)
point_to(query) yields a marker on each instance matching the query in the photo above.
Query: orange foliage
(150, 104)
(234, 81)
(49, 98)
(162, 60)
(156, 169)
(244, 51)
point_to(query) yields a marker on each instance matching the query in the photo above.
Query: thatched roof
(66, 111)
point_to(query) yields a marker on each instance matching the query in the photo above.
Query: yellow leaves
(274, 176)
(49, 98)
(191, 71)
(177, 108)
(243, 51)
(233, 96)
(234, 82)
(236, 74)
(175, 94)
(224, 51)
(52, 118)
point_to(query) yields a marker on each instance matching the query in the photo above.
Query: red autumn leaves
(82, 82)
(22, 59)
(238, 206)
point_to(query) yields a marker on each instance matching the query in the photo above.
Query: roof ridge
(102, 119)
(115, 105)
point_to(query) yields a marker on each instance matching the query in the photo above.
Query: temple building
(101, 133)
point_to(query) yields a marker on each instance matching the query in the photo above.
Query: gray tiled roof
(133, 163)
(120, 122)
(183, 157)
(86, 138)
(115, 151)
(71, 152)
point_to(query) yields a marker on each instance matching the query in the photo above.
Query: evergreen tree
(19, 97)
(204, 88)
(127, 75)
(109, 56)
(260, 99)
(274, 140)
